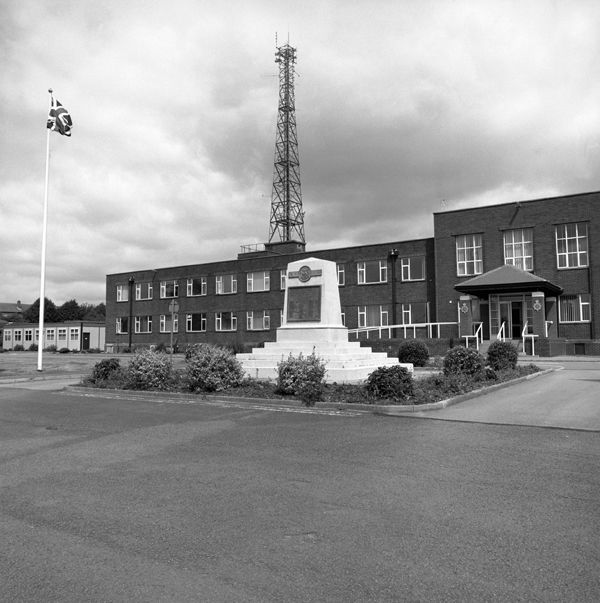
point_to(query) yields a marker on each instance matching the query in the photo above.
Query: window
(165, 323)
(258, 320)
(341, 272)
(225, 321)
(226, 284)
(143, 291)
(122, 293)
(7, 335)
(62, 334)
(374, 271)
(143, 324)
(575, 308)
(74, 334)
(18, 336)
(50, 334)
(28, 335)
(282, 279)
(37, 334)
(258, 281)
(372, 316)
(469, 255)
(344, 318)
(413, 269)
(196, 286)
(518, 248)
(572, 245)
(169, 289)
(122, 324)
(195, 322)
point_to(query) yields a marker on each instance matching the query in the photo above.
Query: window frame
(251, 280)
(219, 322)
(119, 325)
(143, 320)
(165, 319)
(578, 252)
(476, 246)
(189, 322)
(203, 286)
(362, 270)
(220, 284)
(149, 291)
(165, 287)
(522, 242)
(363, 314)
(264, 318)
(406, 268)
(122, 293)
(583, 305)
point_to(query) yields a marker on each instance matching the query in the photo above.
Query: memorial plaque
(304, 304)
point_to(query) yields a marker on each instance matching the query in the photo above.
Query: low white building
(74, 335)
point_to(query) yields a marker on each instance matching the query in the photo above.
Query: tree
(92, 312)
(71, 310)
(51, 313)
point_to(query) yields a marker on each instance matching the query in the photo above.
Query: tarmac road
(117, 497)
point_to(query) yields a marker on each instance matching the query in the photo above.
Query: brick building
(526, 270)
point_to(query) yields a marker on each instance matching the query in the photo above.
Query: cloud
(403, 108)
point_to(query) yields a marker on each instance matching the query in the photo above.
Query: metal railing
(478, 336)
(501, 336)
(430, 329)
(525, 335)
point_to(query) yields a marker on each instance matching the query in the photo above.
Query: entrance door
(86, 341)
(506, 318)
(516, 320)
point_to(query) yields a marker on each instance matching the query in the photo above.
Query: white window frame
(140, 321)
(582, 305)
(407, 268)
(165, 323)
(363, 314)
(518, 248)
(169, 289)
(282, 279)
(62, 335)
(203, 286)
(148, 291)
(258, 320)
(225, 284)
(73, 334)
(50, 335)
(362, 272)
(341, 275)
(7, 335)
(28, 336)
(189, 322)
(471, 246)
(122, 293)
(258, 281)
(577, 257)
(119, 325)
(219, 316)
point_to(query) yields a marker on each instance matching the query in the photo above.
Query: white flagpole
(43, 269)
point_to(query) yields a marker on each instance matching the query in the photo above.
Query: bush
(50, 348)
(463, 360)
(105, 369)
(502, 355)
(33, 347)
(149, 370)
(302, 376)
(414, 351)
(160, 347)
(18, 348)
(390, 382)
(211, 368)
(64, 351)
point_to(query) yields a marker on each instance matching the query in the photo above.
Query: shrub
(390, 382)
(105, 369)
(414, 351)
(149, 370)
(18, 348)
(502, 355)
(160, 347)
(33, 347)
(50, 348)
(302, 376)
(64, 351)
(463, 360)
(211, 368)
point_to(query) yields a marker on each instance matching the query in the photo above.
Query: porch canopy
(507, 279)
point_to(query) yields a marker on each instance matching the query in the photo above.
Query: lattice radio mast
(287, 217)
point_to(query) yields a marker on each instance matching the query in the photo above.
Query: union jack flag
(59, 119)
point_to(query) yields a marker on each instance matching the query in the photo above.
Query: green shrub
(211, 368)
(463, 360)
(105, 369)
(64, 351)
(18, 348)
(502, 355)
(390, 382)
(149, 370)
(414, 351)
(160, 347)
(50, 348)
(33, 347)
(302, 376)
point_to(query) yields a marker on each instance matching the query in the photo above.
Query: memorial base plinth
(345, 361)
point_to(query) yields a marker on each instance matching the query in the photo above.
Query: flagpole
(43, 267)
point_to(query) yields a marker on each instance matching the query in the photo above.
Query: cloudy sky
(403, 108)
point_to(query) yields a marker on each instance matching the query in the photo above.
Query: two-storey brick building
(524, 270)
